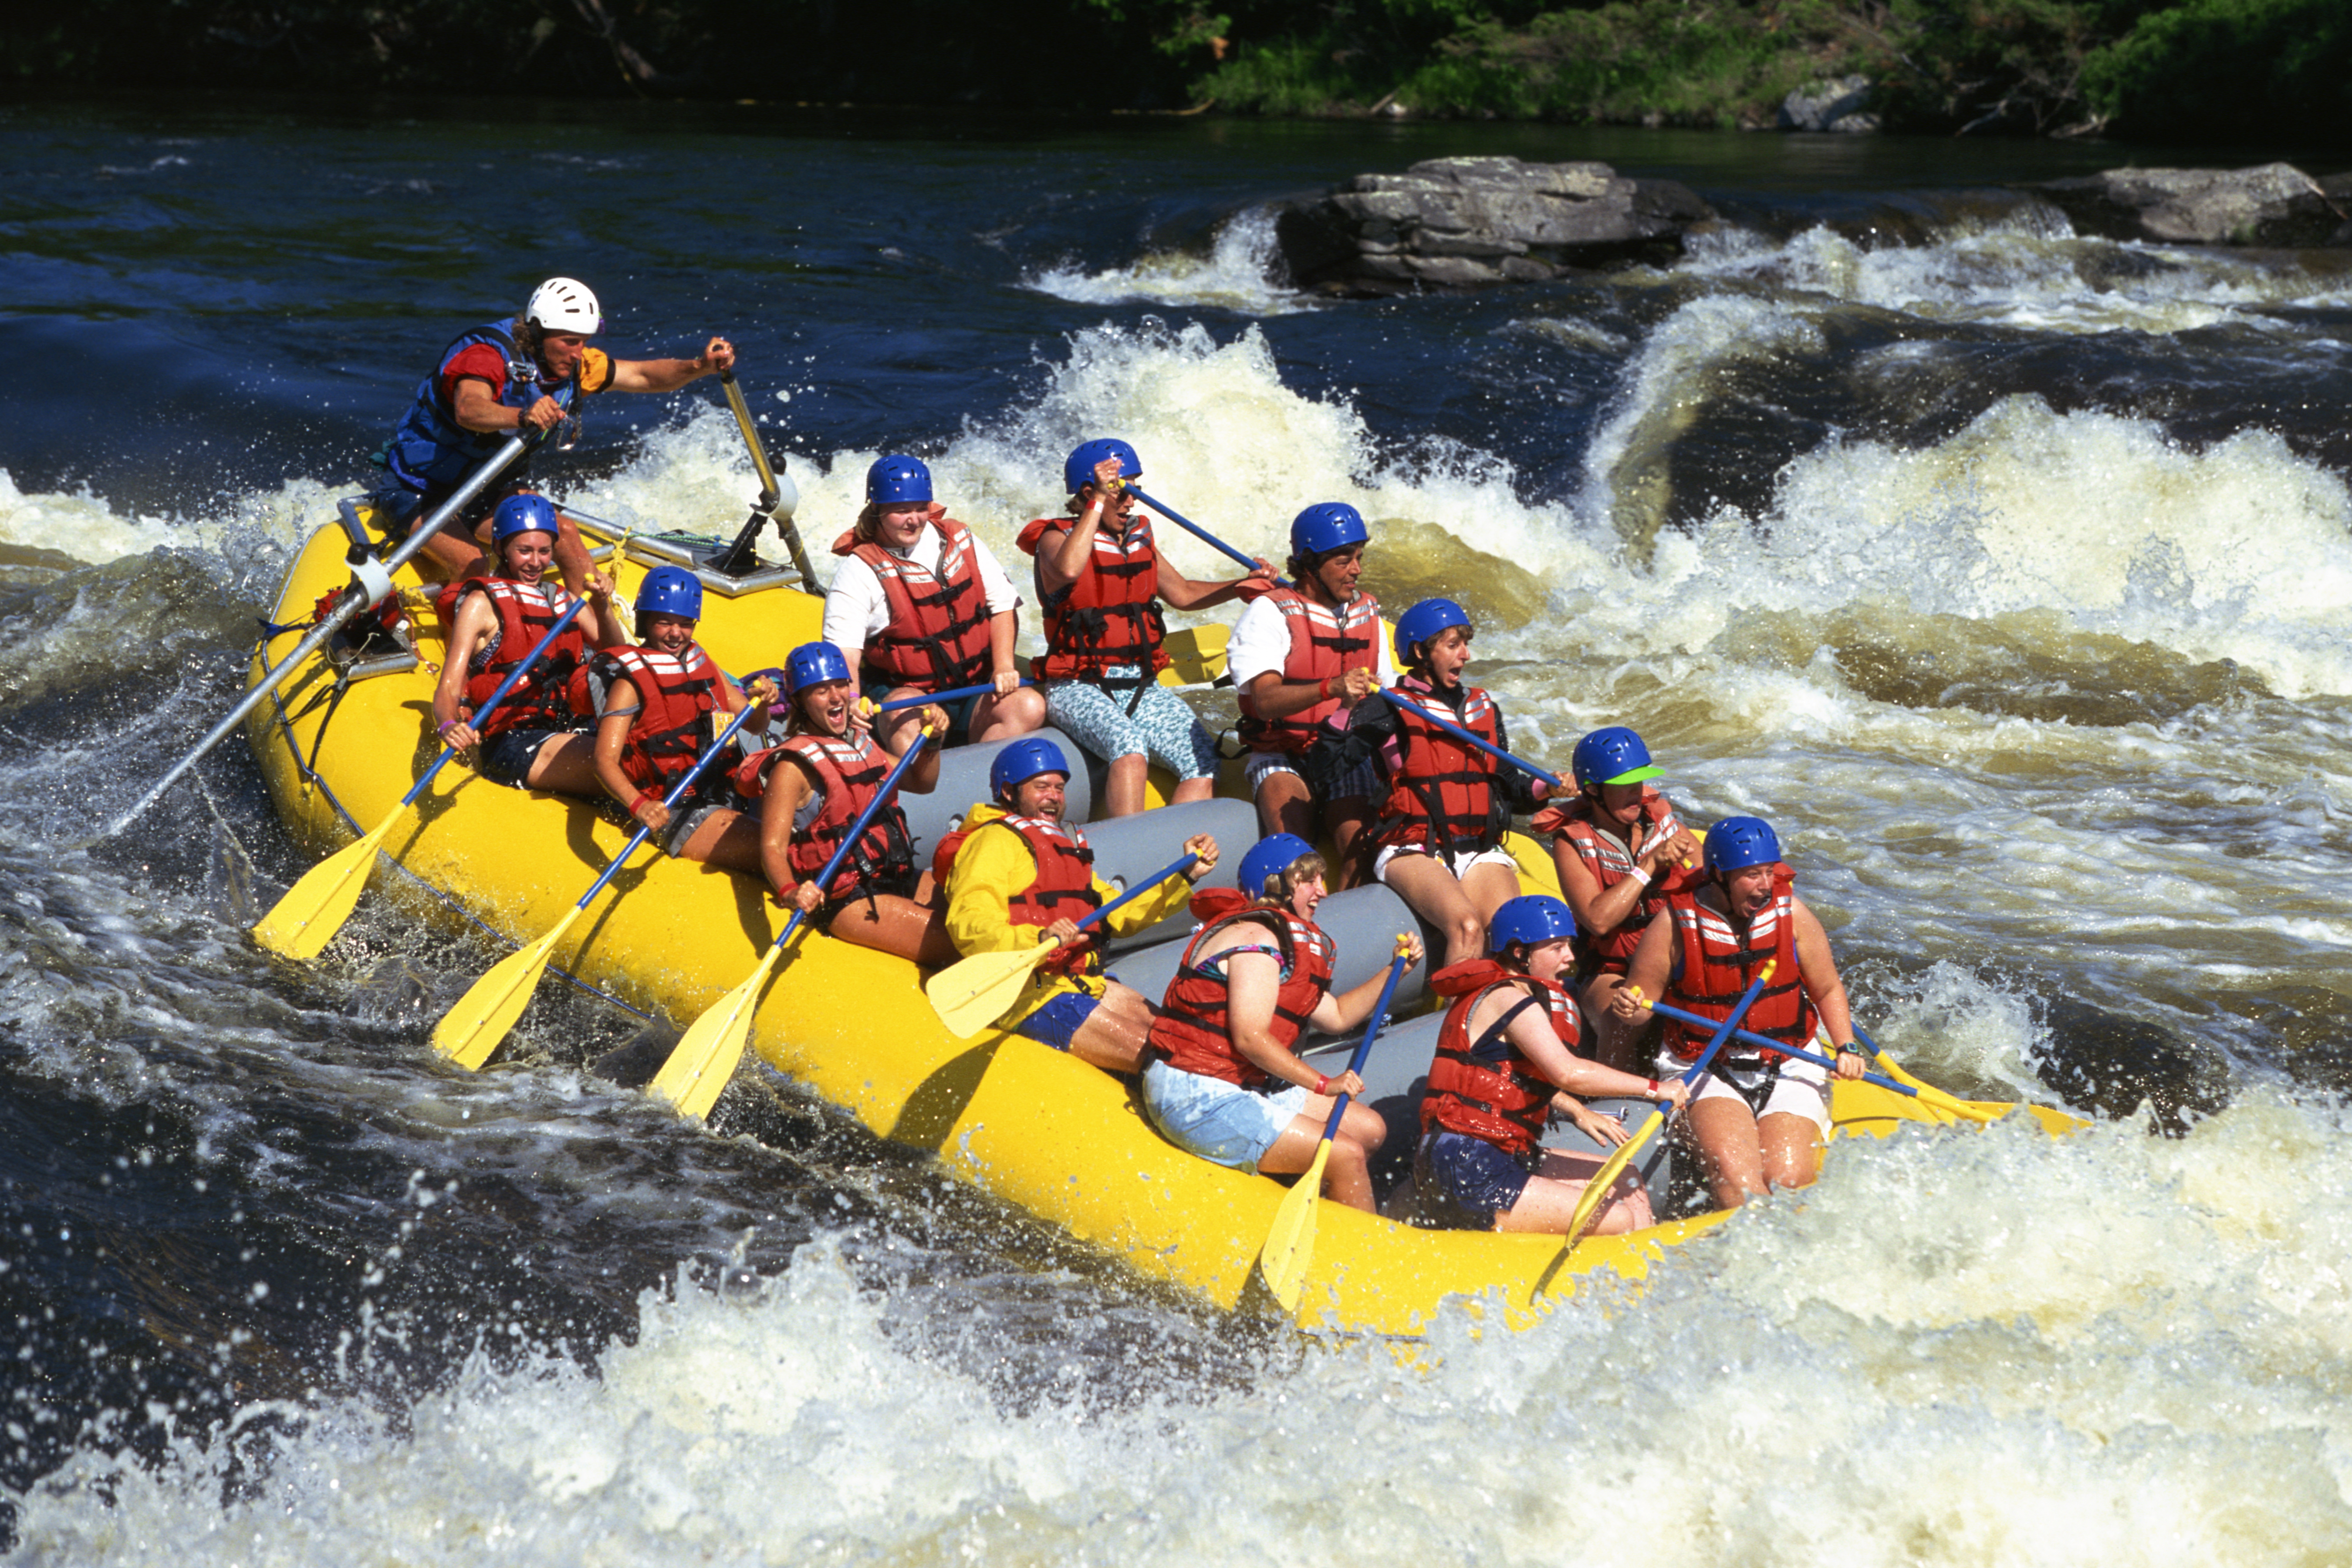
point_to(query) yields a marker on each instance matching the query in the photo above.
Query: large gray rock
(1469, 223)
(1841, 104)
(2270, 205)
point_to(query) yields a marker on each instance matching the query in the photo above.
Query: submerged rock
(1468, 222)
(2269, 204)
(1838, 105)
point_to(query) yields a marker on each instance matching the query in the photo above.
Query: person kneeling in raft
(655, 708)
(1439, 840)
(532, 740)
(1223, 1082)
(1301, 660)
(1506, 1060)
(1621, 852)
(878, 899)
(1037, 872)
(919, 605)
(1758, 1120)
(1102, 580)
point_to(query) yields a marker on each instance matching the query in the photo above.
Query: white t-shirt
(1261, 643)
(856, 609)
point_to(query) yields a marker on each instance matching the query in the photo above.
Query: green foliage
(2214, 70)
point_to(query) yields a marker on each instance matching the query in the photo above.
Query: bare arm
(669, 374)
(1003, 664)
(477, 408)
(1182, 593)
(1276, 697)
(476, 620)
(1825, 985)
(1062, 555)
(1253, 982)
(1646, 976)
(621, 705)
(1338, 1013)
(1530, 1033)
(788, 785)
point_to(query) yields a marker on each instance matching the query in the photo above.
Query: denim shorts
(1162, 725)
(1058, 1021)
(1219, 1121)
(506, 757)
(1472, 1179)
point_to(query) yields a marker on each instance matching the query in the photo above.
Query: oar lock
(368, 575)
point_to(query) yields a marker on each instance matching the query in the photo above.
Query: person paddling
(1758, 1120)
(1620, 850)
(920, 604)
(532, 740)
(1034, 878)
(1506, 1059)
(812, 786)
(1102, 581)
(1223, 1081)
(1439, 839)
(1302, 658)
(527, 374)
(658, 707)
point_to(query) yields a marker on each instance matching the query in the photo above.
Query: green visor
(1636, 775)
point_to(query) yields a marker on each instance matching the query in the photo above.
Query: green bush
(2219, 70)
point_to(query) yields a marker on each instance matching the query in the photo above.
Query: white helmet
(566, 305)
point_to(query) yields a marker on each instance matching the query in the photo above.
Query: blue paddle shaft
(856, 828)
(1459, 733)
(1730, 1026)
(1397, 966)
(1181, 863)
(676, 793)
(499, 696)
(956, 695)
(1194, 529)
(1750, 1036)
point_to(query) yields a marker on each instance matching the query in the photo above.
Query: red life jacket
(1111, 612)
(1064, 886)
(1503, 1100)
(1194, 1027)
(1442, 794)
(1608, 860)
(848, 775)
(938, 634)
(1717, 963)
(539, 700)
(1324, 644)
(677, 695)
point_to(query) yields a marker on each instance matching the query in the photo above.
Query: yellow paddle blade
(1929, 1095)
(468, 1032)
(706, 1055)
(973, 994)
(1196, 656)
(1289, 1246)
(315, 907)
(1597, 1190)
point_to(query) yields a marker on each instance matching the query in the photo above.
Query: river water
(2006, 571)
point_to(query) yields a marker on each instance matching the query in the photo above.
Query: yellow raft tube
(1030, 1125)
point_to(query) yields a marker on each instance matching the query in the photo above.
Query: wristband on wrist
(1321, 1083)
(1638, 875)
(1849, 1046)
(642, 796)
(446, 726)
(1657, 1089)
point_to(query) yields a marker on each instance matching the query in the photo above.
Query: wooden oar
(704, 1056)
(1289, 1246)
(472, 1029)
(371, 581)
(1194, 529)
(971, 995)
(315, 907)
(1932, 1095)
(1596, 1189)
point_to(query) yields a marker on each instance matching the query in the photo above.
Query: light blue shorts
(1219, 1121)
(1161, 727)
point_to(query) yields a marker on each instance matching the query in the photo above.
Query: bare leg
(1425, 883)
(1113, 1035)
(571, 555)
(1731, 1154)
(1203, 788)
(1347, 819)
(1792, 1149)
(1002, 718)
(454, 553)
(1123, 792)
(567, 766)
(1550, 1199)
(1284, 806)
(728, 840)
(889, 924)
(1347, 1173)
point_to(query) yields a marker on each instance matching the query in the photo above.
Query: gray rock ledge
(1470, 223)
(2269, 204)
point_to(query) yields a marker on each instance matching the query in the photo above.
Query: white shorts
(1460, 865)
(1803, 1089)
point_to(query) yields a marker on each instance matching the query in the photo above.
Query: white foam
(1243, 272)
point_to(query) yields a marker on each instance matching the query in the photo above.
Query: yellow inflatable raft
(346, 737)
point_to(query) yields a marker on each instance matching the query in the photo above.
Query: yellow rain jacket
(990, 869)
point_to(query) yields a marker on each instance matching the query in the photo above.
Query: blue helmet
(1530, 920)
(812, 663)
(1078, 470)
(1023, 760)
(521, 514)
(1612, 756)
(1738, 842)
(1327, 526)
(1424, 621)
(669, 591)
(895, 480)
(1268, 857)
